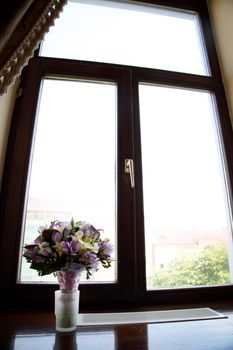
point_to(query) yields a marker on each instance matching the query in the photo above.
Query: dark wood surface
(36, 330)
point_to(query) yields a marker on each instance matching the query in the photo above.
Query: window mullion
(126, 194)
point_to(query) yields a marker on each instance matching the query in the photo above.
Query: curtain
(21, 37)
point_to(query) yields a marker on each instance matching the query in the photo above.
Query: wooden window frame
(130, 287)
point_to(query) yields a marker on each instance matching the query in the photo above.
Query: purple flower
(105, 248)
(74, 246)
(89, 259)
(89, 230)
(56, 236)
(47, 251)
(65, 247)
(62, 248)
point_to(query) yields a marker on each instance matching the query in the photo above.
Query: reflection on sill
(67, 341)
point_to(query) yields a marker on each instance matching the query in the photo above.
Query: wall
(6, 110)
(221, 14)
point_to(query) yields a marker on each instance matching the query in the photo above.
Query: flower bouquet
(68, 246)
(67, 249)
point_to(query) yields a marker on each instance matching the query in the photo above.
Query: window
(138, 93)
(187, 221)
(157, 37)
(73, 162)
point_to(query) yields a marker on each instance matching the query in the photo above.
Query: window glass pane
(187, 222)
(73, 166)
(129, 34)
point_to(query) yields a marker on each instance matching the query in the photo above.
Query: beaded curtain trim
(19, 59)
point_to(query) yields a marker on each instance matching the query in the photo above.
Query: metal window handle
(129, 168)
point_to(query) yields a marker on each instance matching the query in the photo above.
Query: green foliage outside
(207, 267)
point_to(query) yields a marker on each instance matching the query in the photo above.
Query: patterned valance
(43, 19)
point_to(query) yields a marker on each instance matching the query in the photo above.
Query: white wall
(221, 16)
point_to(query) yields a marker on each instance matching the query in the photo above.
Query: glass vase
(67, 301)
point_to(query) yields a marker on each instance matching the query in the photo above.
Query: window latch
(129, 169)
